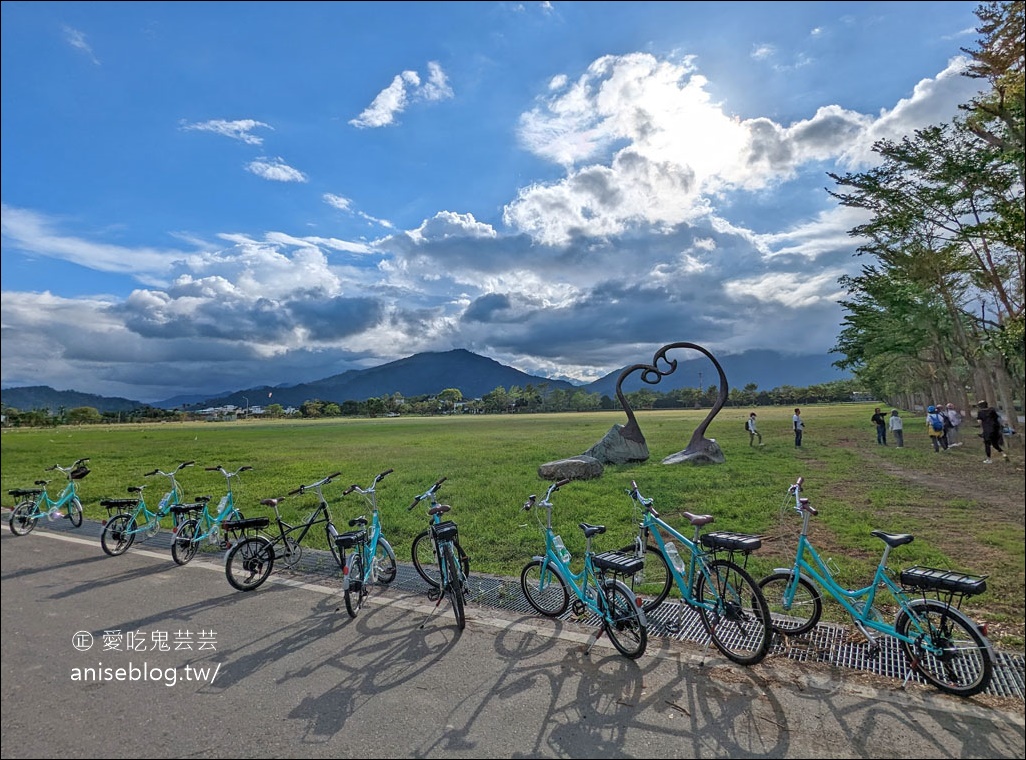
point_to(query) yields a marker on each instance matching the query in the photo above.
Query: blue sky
(201, 196)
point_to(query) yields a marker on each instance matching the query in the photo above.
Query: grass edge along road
(966, 516)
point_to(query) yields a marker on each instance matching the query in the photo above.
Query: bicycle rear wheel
(454, 586)
(184, 544)
(544, 589)
(804, 611)
(118, 534)
(22, 520)
(734, 612)
(426, 562)
(75, 513)
(654, 581)
(948, 649)
(622, 622)
(356, 589)
(249, 563)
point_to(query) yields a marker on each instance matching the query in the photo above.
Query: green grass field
(491, 464)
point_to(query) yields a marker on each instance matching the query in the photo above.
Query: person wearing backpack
(935, 428)
(752, 430)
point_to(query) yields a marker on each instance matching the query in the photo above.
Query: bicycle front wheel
(75, 513)
(118, 534)
(384, 562)
(454, 586)
(426, 562)
(249, 563)
(622, 622)
(654, 580)
(22, 519)
(544, 588)
(734, 612)
(356, 590)
(184, 544)
(804, 611)
(948, 649)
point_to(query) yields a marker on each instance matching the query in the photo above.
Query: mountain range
(474, 375)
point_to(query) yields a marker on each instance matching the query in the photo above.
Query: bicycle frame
(209, 522)
(859, 603)
(583, 583)
(369, 547)
(654, 526)
(38, 502)
(924, 627)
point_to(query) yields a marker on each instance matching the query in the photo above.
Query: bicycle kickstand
(593, 639)
(436, 595)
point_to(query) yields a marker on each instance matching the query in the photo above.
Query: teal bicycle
(451, 574)
(424, 549)
(732, 608)
(197, 523)
(371, 558)
(128, 519)
(941, 642)
(547, 581)
(37, 503)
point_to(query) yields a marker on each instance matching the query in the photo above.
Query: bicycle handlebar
(533, 499)
(370, 488)
(428, 493)
(315, 486)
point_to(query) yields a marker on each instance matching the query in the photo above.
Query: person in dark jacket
(990, 430)
(881, 426)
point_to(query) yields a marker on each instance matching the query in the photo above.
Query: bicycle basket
(618, 562)
(79, 472)
(350, 539)
(445, 531)
(929, 579)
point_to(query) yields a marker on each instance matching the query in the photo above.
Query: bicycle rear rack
(727, 542)
(946, 586)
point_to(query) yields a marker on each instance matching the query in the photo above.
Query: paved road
(284, 672)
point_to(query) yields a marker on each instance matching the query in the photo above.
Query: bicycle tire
(356, 589)
(384, 568)
(249, 563)
(655, 580)
(454, 586)
(118, 534)
(336, 553)
(966, 663)
(805, 610)
(545, 590)
(184, 544)
(622, 621)
(425, 558)
(734, 612)
(22, 519)
(75, 513)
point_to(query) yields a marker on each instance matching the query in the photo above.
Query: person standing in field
(990, 430)
(799, 428)
(752, 430)
(954, 419)
(880, 421)
(935, 429)
(898, 428)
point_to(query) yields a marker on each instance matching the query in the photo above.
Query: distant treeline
(450, 401)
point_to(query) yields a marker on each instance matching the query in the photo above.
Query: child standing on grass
(897, 428)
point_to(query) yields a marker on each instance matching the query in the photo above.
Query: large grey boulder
(616, 447)
(574, 468)
(700, 451)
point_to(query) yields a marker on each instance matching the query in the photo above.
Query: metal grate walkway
(828, 643)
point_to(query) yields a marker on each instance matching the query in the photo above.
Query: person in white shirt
(752, 430)
(954, 419)
(897, 428)
(799, 428)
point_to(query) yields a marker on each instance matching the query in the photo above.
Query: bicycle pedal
(434, 594)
